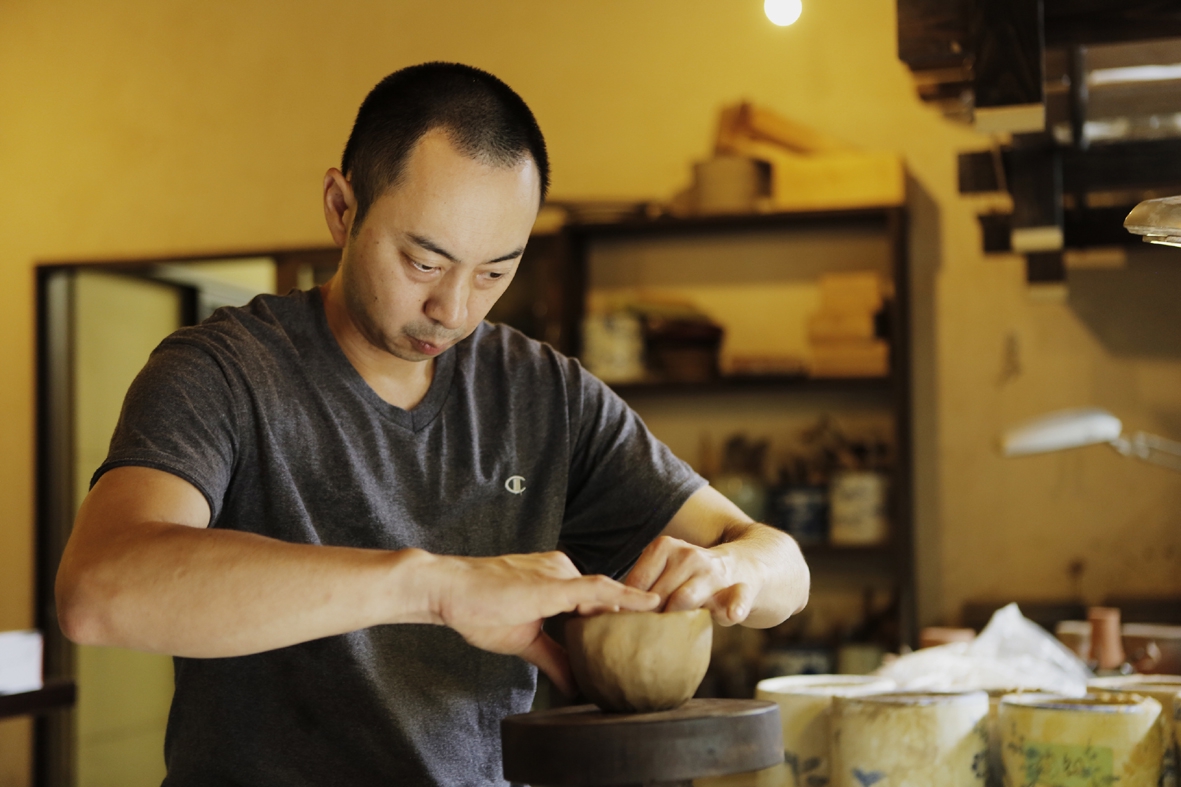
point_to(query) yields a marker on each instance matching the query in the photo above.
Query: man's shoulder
(496, 343)
(267, 326)
(501, 359)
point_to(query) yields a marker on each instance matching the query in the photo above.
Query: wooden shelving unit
(565, 273)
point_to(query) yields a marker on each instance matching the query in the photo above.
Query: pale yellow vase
(805, 703)
(910, 740)
(1111, 739)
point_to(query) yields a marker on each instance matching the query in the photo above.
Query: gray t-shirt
(514, 449)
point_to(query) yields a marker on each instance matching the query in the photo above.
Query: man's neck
(400, 382)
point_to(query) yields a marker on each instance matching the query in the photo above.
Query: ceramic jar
(805, 703)
(1162, 688)
(613, 346)
(910, 740)
(857, 508)
(1100, 739)
(730, 184)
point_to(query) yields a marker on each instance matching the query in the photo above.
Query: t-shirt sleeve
(178, 416)
(624, 484)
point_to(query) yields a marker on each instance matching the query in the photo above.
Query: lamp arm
(1151, 448)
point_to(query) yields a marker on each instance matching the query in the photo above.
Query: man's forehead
(440, 145)
(434, 247)
(459, 207)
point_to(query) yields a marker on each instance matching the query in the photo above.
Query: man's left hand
(712, 556)
(686, 576)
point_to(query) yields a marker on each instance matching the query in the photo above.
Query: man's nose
(447, 304)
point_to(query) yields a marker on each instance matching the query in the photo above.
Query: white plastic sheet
(1012, 652)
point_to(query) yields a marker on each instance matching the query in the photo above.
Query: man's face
(435, 251)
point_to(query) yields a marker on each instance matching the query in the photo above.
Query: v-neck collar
(415, 419)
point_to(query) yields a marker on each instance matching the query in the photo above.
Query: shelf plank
(744, 222)
(758, 382)
(829, 551)
(56, 695)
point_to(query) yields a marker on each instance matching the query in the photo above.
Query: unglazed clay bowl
(638, 662)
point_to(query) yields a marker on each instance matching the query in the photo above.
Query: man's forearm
(206, 593)
(142, 570)
(774, 560)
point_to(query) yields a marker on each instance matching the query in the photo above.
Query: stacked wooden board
(841, 335)
(810, 171)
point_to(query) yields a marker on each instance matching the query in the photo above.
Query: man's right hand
(143, 570)
(499, 603)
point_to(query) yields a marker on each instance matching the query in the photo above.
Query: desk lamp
(1088, 426)
(1158, 220)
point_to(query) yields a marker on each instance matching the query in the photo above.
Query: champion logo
(515, 484)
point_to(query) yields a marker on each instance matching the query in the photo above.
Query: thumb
(732, 605)
(550, 657)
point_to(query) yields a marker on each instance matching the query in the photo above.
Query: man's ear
(340, 206)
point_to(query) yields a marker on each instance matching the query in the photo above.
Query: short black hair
(481, 115)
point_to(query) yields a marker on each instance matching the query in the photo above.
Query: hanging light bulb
(783, 12)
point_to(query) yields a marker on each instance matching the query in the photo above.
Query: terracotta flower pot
(1107, 646)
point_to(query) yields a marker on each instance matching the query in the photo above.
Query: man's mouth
(427, 348)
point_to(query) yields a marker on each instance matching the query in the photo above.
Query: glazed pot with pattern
(805, 705)
(996, 766)
(910, 739)
(1101, 739)
(1162, 688)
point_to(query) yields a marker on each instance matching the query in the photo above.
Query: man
(339, 509)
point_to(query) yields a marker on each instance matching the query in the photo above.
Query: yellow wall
(141, 128)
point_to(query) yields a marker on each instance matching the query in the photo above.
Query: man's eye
(422, 266)
(495, 274)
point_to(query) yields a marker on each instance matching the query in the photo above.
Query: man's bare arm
(143, 570)
(712, 555)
